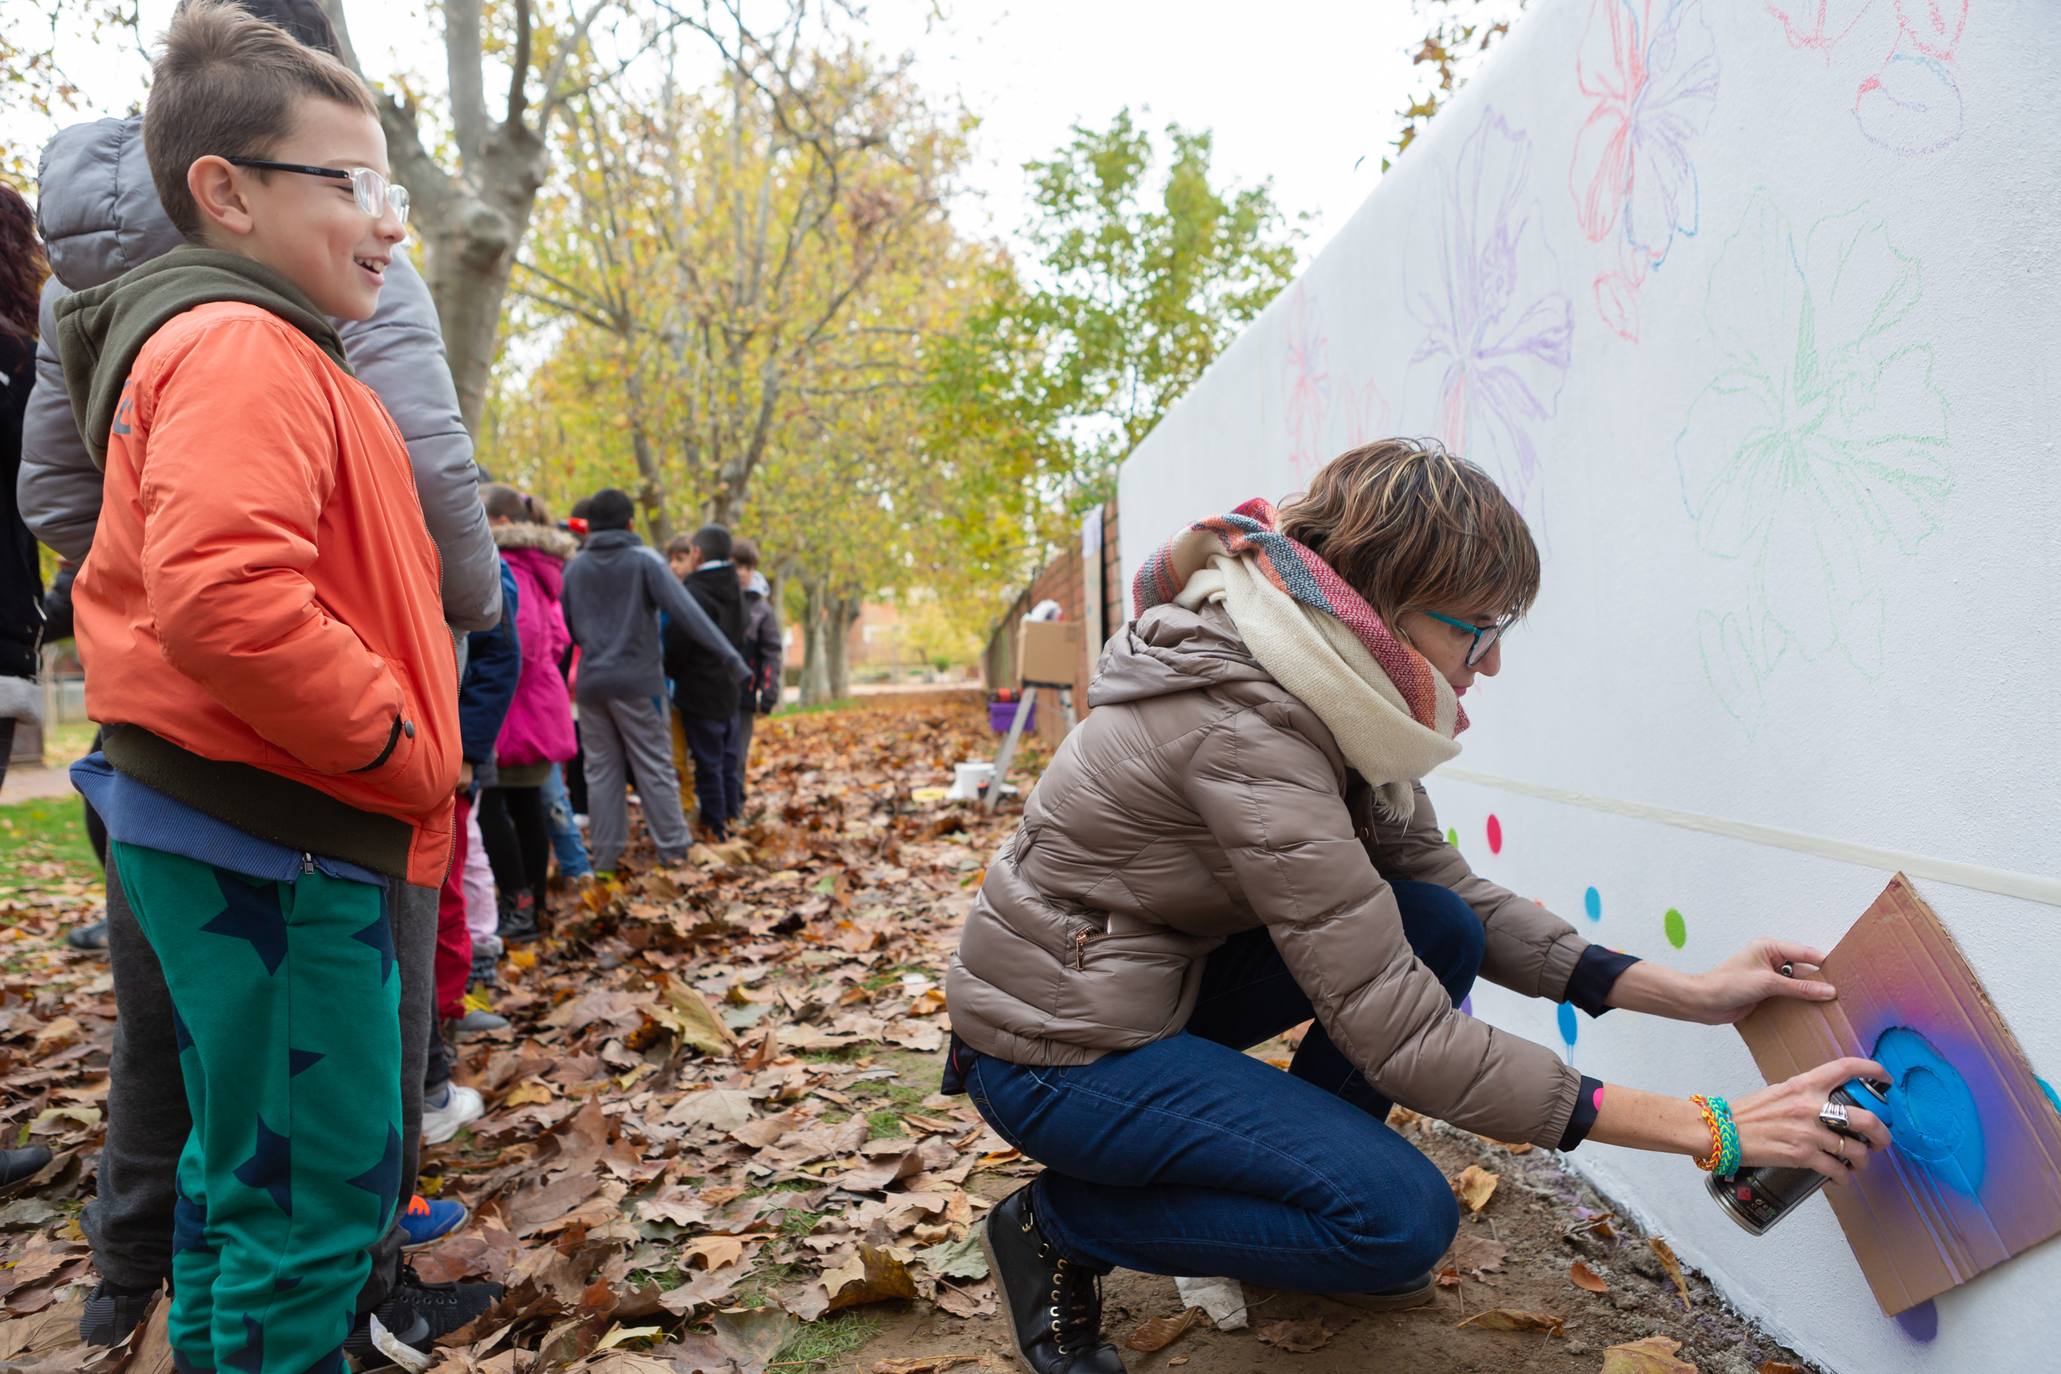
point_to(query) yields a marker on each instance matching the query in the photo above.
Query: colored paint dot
(1495, 835)
(2048, 1089)
(1592, 902)
(1920, 1323)
(1467, 1005)
(1677, 929)
(1453, 838)
(1568, 1028)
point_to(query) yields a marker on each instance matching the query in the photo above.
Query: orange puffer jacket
(262, 589)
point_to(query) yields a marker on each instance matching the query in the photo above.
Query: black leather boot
(1054, 1305)
(518, 919)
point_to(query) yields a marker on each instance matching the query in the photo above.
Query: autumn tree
(1458, 37)
(1145, 270)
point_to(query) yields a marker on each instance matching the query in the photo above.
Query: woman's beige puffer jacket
(1199, 799)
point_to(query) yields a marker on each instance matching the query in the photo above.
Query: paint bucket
(970, 779)
(1759, 1197)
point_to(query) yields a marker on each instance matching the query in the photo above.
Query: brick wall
(1061, 580)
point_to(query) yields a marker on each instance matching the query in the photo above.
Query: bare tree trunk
(815, 675)
(651, 487)
(840, 615)
(469, 252)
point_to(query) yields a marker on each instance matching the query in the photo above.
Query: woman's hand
(1779, 1125)
(1728, 992)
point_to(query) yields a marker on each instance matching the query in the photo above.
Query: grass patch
(43, 842)
(817, 1344)
(819, 708)
(884, 1123)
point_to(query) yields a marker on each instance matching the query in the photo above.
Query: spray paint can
(1762, 1195)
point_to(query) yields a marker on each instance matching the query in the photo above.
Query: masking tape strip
(2031, 887)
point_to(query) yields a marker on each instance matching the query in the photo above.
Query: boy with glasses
(270, 663)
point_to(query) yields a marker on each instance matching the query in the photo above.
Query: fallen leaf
(1511, 1319)
(1666, 1255)
(1475, 1186)
(1584, 1277)
(1779, 1367)
(1478, 1255)
(1161, 1332)
(929, 1364)
(871, 1274)
(1653, 1355)
(1296, 1337)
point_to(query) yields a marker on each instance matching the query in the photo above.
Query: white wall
(1783, 418)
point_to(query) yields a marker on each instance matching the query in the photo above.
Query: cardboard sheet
(1973, 1176)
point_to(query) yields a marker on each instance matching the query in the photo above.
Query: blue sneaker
(427, 1221)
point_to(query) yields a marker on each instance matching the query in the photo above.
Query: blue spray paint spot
(1592, 902)
(1467, 1005)
(1931, 1114)
(1568, 1028)
(2048, 1088)
(1920, 1323)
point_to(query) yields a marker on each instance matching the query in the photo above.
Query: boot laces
(1076, 1309)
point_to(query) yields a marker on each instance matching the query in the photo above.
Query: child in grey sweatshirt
(614, 590)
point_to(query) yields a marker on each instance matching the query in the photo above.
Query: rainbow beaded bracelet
(1724, 1136)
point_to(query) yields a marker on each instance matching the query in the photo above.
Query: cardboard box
(1973, 1174)
(1048, 653)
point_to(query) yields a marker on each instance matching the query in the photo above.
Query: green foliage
(42, 844)
(1147, 270)
(1456, 42)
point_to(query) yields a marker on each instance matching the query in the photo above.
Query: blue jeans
(1187, 1156)
(565, 835)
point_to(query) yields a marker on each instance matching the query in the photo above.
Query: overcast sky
(1302, 91)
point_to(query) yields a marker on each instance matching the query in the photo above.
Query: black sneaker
(1421, 1291)
(19, 1166)
(518, 924)
(416, 1313)
(113, 1312)
(1054, 1305)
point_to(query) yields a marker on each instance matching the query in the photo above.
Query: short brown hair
(680, 546)
(744, 553)
(225, 84)
(1414, 528)
(504, 502)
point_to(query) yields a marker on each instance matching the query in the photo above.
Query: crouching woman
(1234, 842)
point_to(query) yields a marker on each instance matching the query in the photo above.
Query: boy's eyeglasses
(1485, 636)
(374, 193)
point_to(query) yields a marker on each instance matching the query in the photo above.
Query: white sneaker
(463, 1105)
(487, 946)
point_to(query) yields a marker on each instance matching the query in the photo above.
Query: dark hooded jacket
(704, 686)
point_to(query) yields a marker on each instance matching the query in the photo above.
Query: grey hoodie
(614, 590)
(100, 216)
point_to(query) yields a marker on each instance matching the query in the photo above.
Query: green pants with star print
(286, 1007)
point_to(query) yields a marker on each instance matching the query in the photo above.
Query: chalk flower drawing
(1307, 380)
(1651, 69)
(1493, 316)
(1323, 420)
(1818, 450)
(1899, 53)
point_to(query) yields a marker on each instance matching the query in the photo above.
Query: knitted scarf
(1392, 713)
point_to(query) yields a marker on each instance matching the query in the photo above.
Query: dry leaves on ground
(1666, 1255)
(1297, 1337)
(1508, 1319)
(1161, 1332)
(1653, 1355)
(1581, 1276)
(1475, 1186)
(718, 1091)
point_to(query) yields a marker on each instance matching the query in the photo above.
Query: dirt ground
(1545, 1215)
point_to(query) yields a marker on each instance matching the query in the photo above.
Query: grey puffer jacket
(100, 216)
(1200, 799)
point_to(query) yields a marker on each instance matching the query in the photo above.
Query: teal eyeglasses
(1485, 636)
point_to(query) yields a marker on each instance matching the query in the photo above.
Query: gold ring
(1842, 1149)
